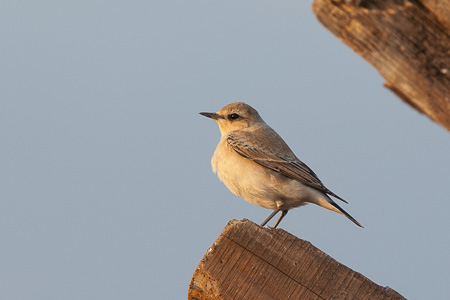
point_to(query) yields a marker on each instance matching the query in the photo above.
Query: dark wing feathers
(268, 156)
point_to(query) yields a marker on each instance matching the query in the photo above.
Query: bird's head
(235, 116)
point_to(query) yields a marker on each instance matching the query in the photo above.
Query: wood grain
(408, 42)
(251, 262)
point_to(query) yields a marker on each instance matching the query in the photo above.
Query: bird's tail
(331, 205)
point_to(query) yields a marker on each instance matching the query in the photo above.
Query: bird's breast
(231, 168)
(244, 177)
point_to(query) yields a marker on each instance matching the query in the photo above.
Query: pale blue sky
(106, 186)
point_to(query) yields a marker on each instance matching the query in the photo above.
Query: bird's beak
(213, 116)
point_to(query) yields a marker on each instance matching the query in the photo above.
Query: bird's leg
(283, 213)
(270, 217)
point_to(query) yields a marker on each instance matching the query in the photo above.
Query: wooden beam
(407, 41)
(252, 262)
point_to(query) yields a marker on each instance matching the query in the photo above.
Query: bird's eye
(233, 116)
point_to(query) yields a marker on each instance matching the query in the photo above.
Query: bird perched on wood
(256, 164)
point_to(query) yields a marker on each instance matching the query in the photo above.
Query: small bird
(256, 164)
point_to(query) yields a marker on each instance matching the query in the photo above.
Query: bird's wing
(276, 156)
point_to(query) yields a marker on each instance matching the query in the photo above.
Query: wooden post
(407, 41)
(252, 262)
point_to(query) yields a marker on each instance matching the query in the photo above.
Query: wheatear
(256, 164)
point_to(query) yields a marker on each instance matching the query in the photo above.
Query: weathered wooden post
(252, 262)
(407, 41)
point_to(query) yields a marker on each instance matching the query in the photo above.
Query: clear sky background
(106, 187)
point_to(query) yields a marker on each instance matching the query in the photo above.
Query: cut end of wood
(248, 261)
(404, 97)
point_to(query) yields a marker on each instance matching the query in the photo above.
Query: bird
(255, 163)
